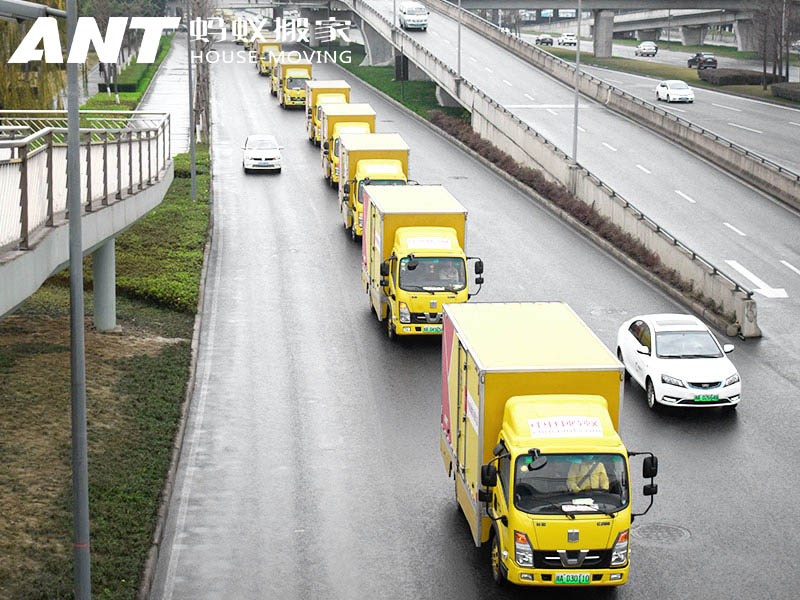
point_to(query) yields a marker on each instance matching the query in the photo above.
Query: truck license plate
(707, 398)
(432, 329)
(573, 578)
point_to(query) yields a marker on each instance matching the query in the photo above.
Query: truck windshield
(360, 197)
(296, 83)
(572, 483)
(439, 274)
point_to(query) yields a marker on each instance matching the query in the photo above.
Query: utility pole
(191, 102)
(577, 89)
(458, 70)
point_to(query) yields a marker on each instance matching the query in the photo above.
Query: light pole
(191, 102)
(458, 71)
(577, 89)
(394, 14)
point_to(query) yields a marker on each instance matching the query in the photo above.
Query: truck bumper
(414, 329)
(547, 577)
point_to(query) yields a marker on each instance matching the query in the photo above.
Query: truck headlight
(672, 381)
(732, 379)
(619, 555)
(405, 315)
(523, 553)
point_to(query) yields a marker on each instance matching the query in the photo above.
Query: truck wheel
(390, 332)
(353, 234)
(497, 570)
(619, 358)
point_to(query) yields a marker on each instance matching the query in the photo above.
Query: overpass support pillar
(693, 35)
(313, 16)
(104, 272)
(445, 99)
(648, 35)
(746, 35)
(379, 52)
(603, 32)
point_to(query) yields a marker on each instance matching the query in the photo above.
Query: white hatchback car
(261, 152)
(678, 361)
(674, 90)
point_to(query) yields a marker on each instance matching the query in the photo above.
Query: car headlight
(405, 315)
(671, 381)
(619, 554)
(732, 379)
(523, 553)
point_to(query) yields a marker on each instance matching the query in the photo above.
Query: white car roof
(673, 81)
(674, 322)
(257, 137)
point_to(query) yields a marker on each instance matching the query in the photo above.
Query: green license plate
(432, 329)
(706, 398)
(573, 578)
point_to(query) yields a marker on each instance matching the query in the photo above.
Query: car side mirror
(346, 188)
(478, 267)
(651, 489)
(384, 269)
(727, 348)
(488, 476)
(650, 467)
(643, 350)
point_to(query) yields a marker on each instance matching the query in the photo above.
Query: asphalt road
(719, 216)
(311, 464)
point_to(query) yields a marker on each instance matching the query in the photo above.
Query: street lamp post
(577, 89)
(191, 102)
(458, 71)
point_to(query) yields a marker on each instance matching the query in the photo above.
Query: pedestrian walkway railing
(121, 152)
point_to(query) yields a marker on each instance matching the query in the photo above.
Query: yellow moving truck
(319, 91)
(412, 255)
(531, 405)
(264, 50)
(292, 75)
(366, 159)
(330, 115)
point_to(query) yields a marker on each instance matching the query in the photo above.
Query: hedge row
(790, 91)
(561, 197)
(136, 76)
(736, 77)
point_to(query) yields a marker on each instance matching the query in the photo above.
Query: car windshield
(678, 85)
(261, 144)
(571, 483)
(416, 10)
(296, 83)
(686, 344)
(433, 274)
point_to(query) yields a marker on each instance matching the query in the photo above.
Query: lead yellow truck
(330, 116)
(366, 159)
(319, 91)
(413, 259)
(291, 77)
(265, 48)
(531, 406)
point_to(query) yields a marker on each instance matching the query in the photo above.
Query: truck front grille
(426, 318)
(549, 559)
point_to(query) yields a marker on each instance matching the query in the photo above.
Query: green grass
(661, 71)
(419, 96)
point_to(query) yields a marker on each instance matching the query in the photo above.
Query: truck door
(468, 422)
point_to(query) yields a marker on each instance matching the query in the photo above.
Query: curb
(719, 322)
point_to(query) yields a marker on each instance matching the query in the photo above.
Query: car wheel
(494, 560)
(651, 395)
(246, 170)
(277, 170)
(669, 98)
(627, 375)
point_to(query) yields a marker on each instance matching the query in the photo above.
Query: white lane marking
(745, 128)
(529, 97)
(488, 69)
(473, 59)
(793, 123)
(726, 107)
(551, 111)
(790, 266)
(761, 286)
(685, 197)
(581, 129)
(609, 147)
(446, 41)
(644, 169)
(734, 229)
(675, 109)
(615, 81)
(436, 33)
(507, 82)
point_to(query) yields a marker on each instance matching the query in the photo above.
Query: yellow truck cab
(292, 76)
(330, 115)
(264, 50)
(366, 159)
(332, 91)
(531, 406)
(413, 260)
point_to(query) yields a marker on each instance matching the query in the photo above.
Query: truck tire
(390, 332)
(494, 561)
(353, 234)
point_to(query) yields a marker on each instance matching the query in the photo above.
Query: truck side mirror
(479, 280)
(651, 489)
(643, 350)
(478, 267)
(346, 188)
(488, 476)
(325, 145)
(650, 467)
(384, 269)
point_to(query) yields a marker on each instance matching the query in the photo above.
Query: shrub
(736, 77)
(790, 91)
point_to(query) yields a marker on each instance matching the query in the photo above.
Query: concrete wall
(528, 147)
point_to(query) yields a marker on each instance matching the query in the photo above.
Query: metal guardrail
(121, 152)
(410, 41)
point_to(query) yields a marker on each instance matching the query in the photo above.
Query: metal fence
(121, 152)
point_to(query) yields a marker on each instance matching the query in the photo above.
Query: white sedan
(261, 152)
(678, 361)
(674, 90)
